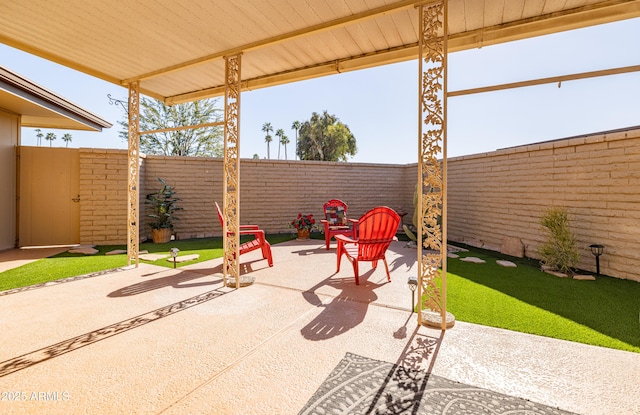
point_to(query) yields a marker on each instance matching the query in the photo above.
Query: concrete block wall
(103, 196)
(490, 195)
(597, 178)
(273, 192)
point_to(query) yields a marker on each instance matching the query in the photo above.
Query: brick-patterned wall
(103, 196)
(272, 192)
(504, 193)
(490, 195)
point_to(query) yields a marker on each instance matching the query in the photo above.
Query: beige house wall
(9, 139)
(491, 195)
(504, 193)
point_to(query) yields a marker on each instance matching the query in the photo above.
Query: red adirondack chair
(376, 229)
(260, 242)
(336, 221)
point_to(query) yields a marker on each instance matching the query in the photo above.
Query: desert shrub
(559, 251)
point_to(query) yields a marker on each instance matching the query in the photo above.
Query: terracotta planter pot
(303, 233)
(161, 236)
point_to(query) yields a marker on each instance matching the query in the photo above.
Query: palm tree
(67, 139)
(280, 134)
(50, 137)
(296, 126)
(267, 128)
(284, 140)
(39, 135)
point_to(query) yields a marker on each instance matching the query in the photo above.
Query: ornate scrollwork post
(133, 174)
(231, 209)
(432, 253)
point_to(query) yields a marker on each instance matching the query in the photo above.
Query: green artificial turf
(604, 312)
(66, 265)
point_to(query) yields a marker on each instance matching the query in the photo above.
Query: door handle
(76, 199)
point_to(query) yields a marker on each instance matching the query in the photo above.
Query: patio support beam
(231, 188)
(133, 175)
(549, 80)
(431, 188)
(184, 127)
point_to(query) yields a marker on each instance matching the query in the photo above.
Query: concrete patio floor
(155, 340)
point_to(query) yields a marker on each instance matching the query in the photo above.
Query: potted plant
(303, 224)
(162, 205)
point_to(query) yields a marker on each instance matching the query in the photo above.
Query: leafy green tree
(284, 140)
(267, 128)
(67, 139)
(50, 137)
(39, 135)
(296, 126)
(324, 137)
(200, 142)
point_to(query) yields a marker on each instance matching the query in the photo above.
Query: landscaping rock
(512, 246)
(490, 247)
(116, 252)
(474, 242)
(473, 259)
(453, 248)
(184, 258)
(452, 255)
(507, 264)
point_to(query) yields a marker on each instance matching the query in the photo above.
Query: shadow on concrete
(179, 280)
(344, 311)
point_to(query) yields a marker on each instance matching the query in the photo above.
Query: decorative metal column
(133, 174)
(432, 254)
(231, 207)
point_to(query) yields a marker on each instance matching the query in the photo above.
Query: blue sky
(380, 104)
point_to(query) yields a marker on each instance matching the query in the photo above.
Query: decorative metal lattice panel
(432, 253)
(133, 174)
(231, 209)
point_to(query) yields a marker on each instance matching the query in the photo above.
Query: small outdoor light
(412, 282)
(597, 250)
(174, 255)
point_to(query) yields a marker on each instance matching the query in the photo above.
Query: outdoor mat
(359, 385)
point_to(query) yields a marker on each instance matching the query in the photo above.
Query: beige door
(49, 196)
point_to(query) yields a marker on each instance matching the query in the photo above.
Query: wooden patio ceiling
(176, 47)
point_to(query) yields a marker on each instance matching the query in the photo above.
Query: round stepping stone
(507, 264)
(184, 258)
(86, 251)
(473, 259)
(152, 257)
(452, 255)
(116, 252)
(584, 277)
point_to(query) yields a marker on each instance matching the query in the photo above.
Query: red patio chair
(376, 229)
(260, 242)
(336, 221)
